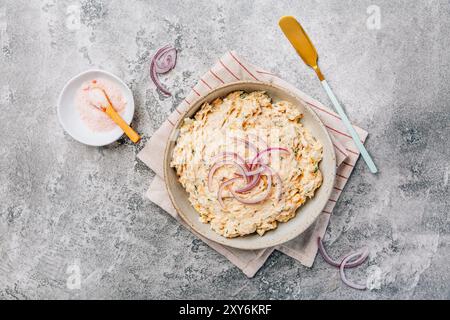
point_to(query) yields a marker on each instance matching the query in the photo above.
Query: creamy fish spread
(247, 163)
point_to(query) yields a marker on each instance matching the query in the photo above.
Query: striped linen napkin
(231, 67)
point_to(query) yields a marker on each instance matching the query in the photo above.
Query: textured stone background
(66, 206)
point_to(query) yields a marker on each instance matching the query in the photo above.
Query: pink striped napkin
(231, 67)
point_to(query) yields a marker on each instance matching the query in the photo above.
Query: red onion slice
(326, 256)
(255, 180)
(256, 171)
(222, 187)
(263, 196)
(220, 164)
(342, 272)
(334, 263)
(356, 263)
(240, 160)
(253, 183)
(160, 51)
(163, 61)
(155, 79)
(251, 172)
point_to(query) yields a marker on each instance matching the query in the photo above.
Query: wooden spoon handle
(133, 135)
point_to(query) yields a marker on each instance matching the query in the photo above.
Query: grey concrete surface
(68, 209)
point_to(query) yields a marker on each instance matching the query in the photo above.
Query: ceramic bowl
(306, 214)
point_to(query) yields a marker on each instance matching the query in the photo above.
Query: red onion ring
(334, 263)
(155, 79)
(342, 272)
(263, 196)
(253, 182)
(256, 171)
(160, 51)
(252, 173)
(222, 187)
(250, 185)
(279, 182)
(252, 166)
(163, 61)
(240, 161)
(219, 164)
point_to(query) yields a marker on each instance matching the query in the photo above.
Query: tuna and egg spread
(247, 163)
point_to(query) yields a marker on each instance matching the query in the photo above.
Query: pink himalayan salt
(95, 119)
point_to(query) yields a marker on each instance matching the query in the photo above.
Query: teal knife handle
(366, 156)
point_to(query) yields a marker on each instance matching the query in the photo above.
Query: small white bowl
(70, 118)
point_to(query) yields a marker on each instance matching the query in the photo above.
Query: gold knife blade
(301, 42)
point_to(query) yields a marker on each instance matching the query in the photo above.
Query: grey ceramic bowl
(306, 214)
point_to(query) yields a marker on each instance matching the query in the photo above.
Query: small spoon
(305, 49)
(99, 99)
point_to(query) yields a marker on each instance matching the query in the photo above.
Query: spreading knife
(305, 49)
